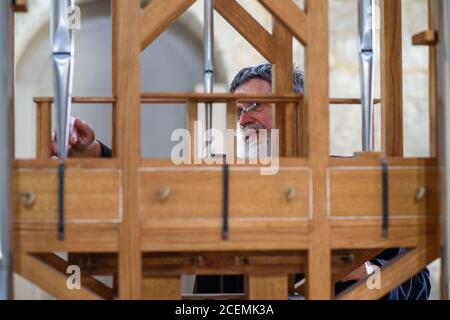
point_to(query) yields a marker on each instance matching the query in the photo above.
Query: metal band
(61, 170)
(385, 176)
(225, 202)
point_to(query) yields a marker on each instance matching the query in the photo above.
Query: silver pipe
(442, 13)
(208, 42)
(62, 55)
(6, 143)
(366, 28)
(62, 44)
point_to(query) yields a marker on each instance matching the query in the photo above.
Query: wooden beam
(350, 262)
(191, 118)
(184, 97)
(43, 130)
(391, 78)
(127, 91)
(20, 5)
(425, 38)
(432, 83)
(286, 113)
(282, 82)
(49, 279)
(157, 16)
(318, 277)
(398, 271)
(87, 281)
(247, 26)
(291, 16)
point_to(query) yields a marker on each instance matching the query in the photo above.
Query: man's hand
(358, 274)
(82, 143)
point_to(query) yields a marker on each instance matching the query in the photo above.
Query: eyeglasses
(250, 108)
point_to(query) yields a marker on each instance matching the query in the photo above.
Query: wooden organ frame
(117, 224)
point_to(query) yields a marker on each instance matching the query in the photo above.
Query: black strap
(384, 169)
(225, 202)
(61, 170)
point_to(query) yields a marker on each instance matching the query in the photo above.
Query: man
(254, 117)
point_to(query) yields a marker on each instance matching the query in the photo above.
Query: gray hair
(264, 71)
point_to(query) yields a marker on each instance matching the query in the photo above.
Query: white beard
(256, 147)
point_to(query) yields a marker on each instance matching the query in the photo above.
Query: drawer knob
(420, 193)
(28, 199)
(290, 194)
(164, 193)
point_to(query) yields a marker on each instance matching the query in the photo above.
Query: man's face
(261, 116)
(250, 143)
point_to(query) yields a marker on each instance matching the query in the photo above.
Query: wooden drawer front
(83, 201)
(254, 195)
(199, 194)
(193, 194)
(358, 192)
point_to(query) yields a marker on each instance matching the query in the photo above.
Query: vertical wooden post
(191, 117)
(282, 78)
(432, 85)
(232, 124)
(318, 279)
(126, 89)
(43, 130)
(266, 287)
(391, 78)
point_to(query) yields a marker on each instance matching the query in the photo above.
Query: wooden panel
(91, 196)
(432, 83)
(288, 13)
(202, 199)
(251, 194)
(247, 26)
(358, 193)
(161, 288)
(182, 235)
(392, 162)
(391, 77)
(399, 235)
(157, 16)
(254, 195)
(41, 237)
(266, 287)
